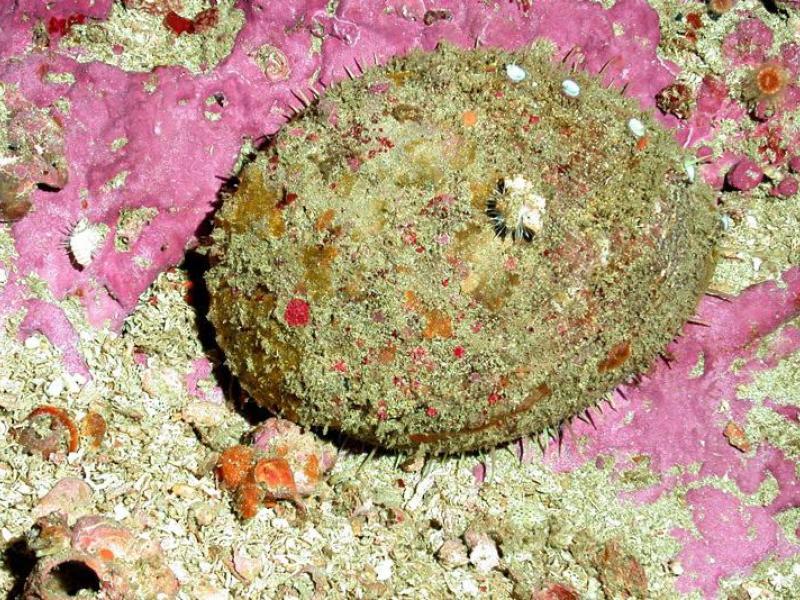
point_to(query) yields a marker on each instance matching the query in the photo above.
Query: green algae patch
(437, 256)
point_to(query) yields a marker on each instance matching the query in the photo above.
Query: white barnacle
(518, 211)
(84, 242)
(515, 73)
(636, 127)
(570, 88)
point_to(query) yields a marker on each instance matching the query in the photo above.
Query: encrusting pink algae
(134, 146)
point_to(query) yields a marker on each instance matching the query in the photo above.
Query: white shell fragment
(570, 88)
(84, 241)
(689, 167)
(515, 73)
(636, 127)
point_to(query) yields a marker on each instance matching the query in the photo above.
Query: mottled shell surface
(437, 255)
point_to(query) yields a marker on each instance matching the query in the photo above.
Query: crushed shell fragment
(374, 217)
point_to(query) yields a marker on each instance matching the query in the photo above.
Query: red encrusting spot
(494, 398)
(431, 412)
(297, 313)
(178, 24)
(61, 27)
(458, 351)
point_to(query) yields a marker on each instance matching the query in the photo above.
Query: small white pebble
(515, 73)
(570, 88)
(469, 587)
(484, 556)
(55, 388)
(757, 263)
(383, 570)
(121, 512)
(3, 276)
(636, 127)
(753, 592)
(181, 574)
(31, 343)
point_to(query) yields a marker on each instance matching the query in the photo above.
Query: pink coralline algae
(95, 555)
(732, 536)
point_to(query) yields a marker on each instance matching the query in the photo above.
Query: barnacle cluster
(438, 255)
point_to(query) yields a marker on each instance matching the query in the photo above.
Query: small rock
(55, 388)
(571, 88)
(69, 497)
(383, 570)
(620, 574)
(636, 127)
(675, 567)
(555, 591)
(515, 73)
(786, 188)
(483, 553)
(736, 437)
(745, 175)
(246, 566)
(453, 553)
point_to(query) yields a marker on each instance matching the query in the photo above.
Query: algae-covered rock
(457, 249)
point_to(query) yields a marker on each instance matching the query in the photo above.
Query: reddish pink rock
(786, 188)
(745, 175)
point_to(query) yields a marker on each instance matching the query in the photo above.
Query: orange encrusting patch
(437, 324)
(721, 6)
(276, 475)
(234, 464)
(106, 555)
(469, 118)
(615, 357)
(324, 220)
(94, 427)
(248, 500)
(311, 469)
(61, 416)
